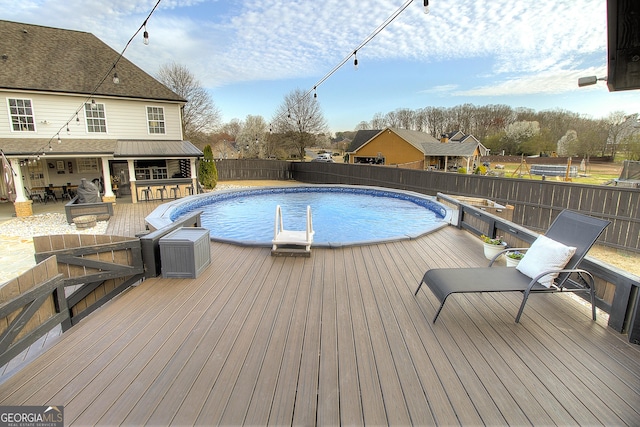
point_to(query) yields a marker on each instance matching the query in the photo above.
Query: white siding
(126, 119)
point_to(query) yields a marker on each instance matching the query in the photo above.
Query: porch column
(106, 178)
(22, 206)
(194, 176)
(132, 181)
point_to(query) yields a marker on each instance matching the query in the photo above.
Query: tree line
(516, 131)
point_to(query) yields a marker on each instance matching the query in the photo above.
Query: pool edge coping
(160, 217)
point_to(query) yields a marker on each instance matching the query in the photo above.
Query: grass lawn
(595, 174)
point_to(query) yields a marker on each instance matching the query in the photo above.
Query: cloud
(547, 82)
(227, 42)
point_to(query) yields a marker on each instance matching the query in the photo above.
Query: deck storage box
(185, 252)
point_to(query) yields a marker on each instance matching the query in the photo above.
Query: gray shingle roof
(30, 146)
(361, 137)
(464, 149)
(39, 58)
(117, 148)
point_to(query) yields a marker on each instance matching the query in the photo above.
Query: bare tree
(378, 121)
(252, 135)
(200, 115)
(620, 126)
(300, 115)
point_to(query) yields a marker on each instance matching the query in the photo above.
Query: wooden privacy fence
(94, 268)
(240, 169)
(535, 203)
(30, 306)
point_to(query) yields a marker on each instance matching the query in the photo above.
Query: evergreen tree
(208, 172)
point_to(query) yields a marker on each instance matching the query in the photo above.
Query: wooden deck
(337, 338)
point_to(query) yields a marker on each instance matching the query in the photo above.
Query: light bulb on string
(50, 147)
(145, 35)
(426, 7)
(59, 140)
(116, 79)
(68, 130)
(355, 60)
(315, 94)
(77, 120)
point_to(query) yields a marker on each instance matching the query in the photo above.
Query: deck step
(293, 251)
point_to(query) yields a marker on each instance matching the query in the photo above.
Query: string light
(426, 7)
(355, 59)
(145, 35)
(381, 27)
(108, 74)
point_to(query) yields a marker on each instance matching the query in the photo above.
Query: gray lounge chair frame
(570, 228)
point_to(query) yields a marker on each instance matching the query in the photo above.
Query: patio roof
(117, 148)
(144, 148)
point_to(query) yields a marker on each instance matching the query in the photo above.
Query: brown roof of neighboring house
(39, 58)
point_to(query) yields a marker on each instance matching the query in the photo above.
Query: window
(96, 119)
(21, 113)
(86, 165)
(151, 169)
(155, 117)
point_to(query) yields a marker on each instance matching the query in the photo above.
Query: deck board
(337, 338)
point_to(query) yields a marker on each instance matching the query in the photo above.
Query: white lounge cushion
(545, 254)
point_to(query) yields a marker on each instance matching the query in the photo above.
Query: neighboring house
(64, 116)
(420, 150)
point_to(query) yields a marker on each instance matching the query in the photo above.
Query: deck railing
(617, 292)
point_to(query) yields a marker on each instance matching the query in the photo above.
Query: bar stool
(189, 189)
(147, 193)
(163, 192)
(175, 191)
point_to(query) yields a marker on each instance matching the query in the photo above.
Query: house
(414, 149)
(71, 107)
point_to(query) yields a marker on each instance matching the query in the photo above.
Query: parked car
(323, 160)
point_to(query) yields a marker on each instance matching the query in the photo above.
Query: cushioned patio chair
(549, 265)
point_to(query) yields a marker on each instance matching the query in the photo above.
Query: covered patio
(337, 338)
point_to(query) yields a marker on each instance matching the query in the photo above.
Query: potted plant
(513, 258)
(492, 246)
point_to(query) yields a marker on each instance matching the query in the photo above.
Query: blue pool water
(341, 215)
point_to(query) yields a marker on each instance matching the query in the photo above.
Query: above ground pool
(342, 215)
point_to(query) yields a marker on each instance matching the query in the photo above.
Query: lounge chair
(569, 230)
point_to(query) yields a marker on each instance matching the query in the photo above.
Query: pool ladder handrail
(292, 237)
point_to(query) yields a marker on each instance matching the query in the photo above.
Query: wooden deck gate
(30, 306)
(95, 268)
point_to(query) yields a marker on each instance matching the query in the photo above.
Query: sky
(250, 54)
